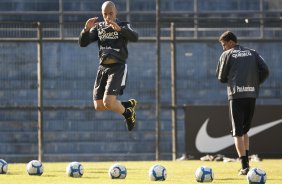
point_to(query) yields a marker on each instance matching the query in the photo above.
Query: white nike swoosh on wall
(208, 144)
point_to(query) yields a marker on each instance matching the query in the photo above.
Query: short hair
(108, 3)
(227, 36)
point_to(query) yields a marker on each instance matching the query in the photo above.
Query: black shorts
(241, 113)
(110, 80)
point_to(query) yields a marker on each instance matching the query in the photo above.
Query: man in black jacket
(243, 70)
(112, 36)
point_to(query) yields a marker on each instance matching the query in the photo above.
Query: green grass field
(178, 172)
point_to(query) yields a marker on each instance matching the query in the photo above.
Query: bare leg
(240, 146)
(246, 142)
(111, 103)
(99, 105)
(241, 150)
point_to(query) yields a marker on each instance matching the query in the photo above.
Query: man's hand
(114, 25)
(90, 23)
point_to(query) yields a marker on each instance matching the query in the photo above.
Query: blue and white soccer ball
(256, 176)
(117, 171)
(204, 174)
(157, 173)
(3, 166)
(74, 169)
(34, 167)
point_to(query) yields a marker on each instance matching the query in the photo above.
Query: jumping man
(112, 36)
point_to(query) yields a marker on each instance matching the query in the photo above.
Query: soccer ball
(204, 174)
(3, 166)
(256, 176)
(117, 171)
(74, 169)
(157, 173)
(34, 167)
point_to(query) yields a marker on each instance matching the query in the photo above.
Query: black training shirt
(111, 44)
(243, 70)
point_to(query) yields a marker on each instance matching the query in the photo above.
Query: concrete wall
(69, 72)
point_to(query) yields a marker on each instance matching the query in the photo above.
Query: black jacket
(111, 43)
(243, 70)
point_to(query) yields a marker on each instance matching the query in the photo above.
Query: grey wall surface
(69, 72)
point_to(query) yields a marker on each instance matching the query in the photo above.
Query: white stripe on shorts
(232, 119)
(124, 76)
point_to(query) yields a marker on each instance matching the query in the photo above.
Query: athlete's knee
(108, 103)
(99, 106)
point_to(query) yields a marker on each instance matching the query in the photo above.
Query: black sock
(247, 155)
(127, 113)
(126, 104)
(244, 162)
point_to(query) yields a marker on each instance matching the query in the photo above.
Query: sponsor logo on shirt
(240, 89)
(103, 35)
(240, 53)
(245, 89)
